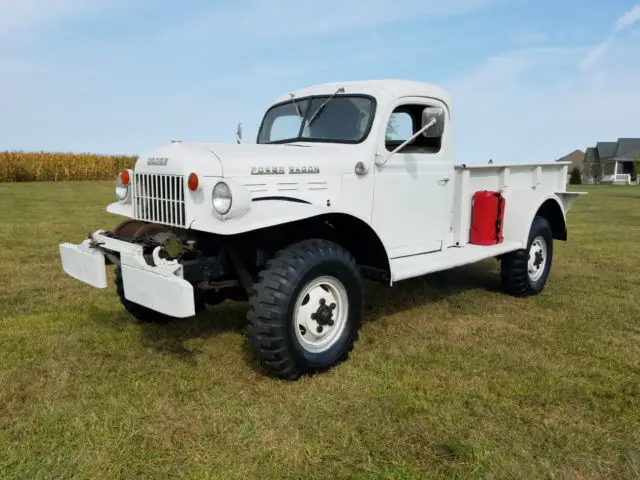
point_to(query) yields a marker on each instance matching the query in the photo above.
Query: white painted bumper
(160, 288)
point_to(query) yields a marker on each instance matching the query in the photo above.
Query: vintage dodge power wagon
(346, 182)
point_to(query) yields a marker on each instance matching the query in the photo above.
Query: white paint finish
(84, 264)
(115, 245)
(403, 200)
(418, 265)
(567, 198)
(314, 334)
(537, 258)
(383, 89)
(169, 295)
(237, 160)
(160, 288)
(118, 209)
(180, 159)
(524, 187)
(413, 192)
(259, 216)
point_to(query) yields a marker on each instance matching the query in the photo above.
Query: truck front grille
(159, 198)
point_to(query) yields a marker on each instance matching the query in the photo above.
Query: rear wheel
(306, 310)
(525, 272)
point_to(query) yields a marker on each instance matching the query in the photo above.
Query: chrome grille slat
(159, 198)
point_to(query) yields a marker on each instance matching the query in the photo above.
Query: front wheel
(525, 272)
(306, 310)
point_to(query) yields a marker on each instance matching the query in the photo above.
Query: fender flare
(519, 215)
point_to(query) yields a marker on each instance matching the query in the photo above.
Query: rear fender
(519, 215)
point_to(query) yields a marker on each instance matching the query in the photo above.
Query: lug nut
(319, 329)
(332, 306)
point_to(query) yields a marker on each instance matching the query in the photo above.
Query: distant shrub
(575, 177)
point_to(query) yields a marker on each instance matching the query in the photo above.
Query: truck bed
(525, 188)
(522, 185)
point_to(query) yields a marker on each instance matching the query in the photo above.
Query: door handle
(444, 180)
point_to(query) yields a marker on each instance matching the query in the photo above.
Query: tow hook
(93, 243)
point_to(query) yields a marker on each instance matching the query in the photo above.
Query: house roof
(591, 155)
(576, 158)
(606, 150)
(627, 149)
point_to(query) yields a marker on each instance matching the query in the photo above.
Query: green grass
(450, 378)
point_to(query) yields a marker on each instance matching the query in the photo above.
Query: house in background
(611, 162)
(577, 160)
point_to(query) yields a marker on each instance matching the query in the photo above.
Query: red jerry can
(487, 218)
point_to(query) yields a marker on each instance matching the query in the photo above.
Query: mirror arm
(409, 140)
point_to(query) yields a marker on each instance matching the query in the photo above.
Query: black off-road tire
(140, 312)
(271, 325)
(514, 272)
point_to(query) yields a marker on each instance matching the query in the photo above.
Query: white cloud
(628, 19)
(536, 105)
(26, 14)
(249, 21)
(26, 19)
(595, 54)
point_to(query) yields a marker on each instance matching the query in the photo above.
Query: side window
(405, 121)
(400, 127)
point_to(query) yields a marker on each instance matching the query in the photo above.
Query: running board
(418, 265)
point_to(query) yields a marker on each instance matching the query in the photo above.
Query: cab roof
(377, 88)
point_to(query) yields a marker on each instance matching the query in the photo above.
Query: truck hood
(240, 160)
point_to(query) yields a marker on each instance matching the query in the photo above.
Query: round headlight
(122, 186)
(221, 198)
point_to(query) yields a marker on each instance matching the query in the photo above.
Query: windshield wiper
(295, 104)
(321, 107)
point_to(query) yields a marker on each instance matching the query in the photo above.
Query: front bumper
(160, 287)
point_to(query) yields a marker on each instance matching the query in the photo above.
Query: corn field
(19, 166)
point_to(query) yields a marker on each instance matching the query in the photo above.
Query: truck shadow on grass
(230, 317)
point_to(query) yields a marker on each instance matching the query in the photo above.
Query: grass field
(450, 378)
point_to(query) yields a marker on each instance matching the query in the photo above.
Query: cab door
(413, 193)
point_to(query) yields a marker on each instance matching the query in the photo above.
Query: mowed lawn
(450, 377)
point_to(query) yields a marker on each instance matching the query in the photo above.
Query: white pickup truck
(347, 181)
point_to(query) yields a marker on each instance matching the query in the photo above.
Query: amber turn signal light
(193, 182)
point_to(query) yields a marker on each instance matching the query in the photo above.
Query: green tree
(576, 177)
(392, 128)
(596, 172)
(636, 167)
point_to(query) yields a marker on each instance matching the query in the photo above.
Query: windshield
(343, 119)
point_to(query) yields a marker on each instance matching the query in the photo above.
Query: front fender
(119, 209)
(262, 214)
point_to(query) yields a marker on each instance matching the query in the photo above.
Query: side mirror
(429, 114)
(239, 133)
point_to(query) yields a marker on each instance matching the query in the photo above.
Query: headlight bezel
(122, 189)
(225, 196)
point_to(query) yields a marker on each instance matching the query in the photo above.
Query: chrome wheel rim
(320, 314)
(537, 258)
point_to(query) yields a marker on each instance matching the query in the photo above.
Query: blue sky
(531, 80)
